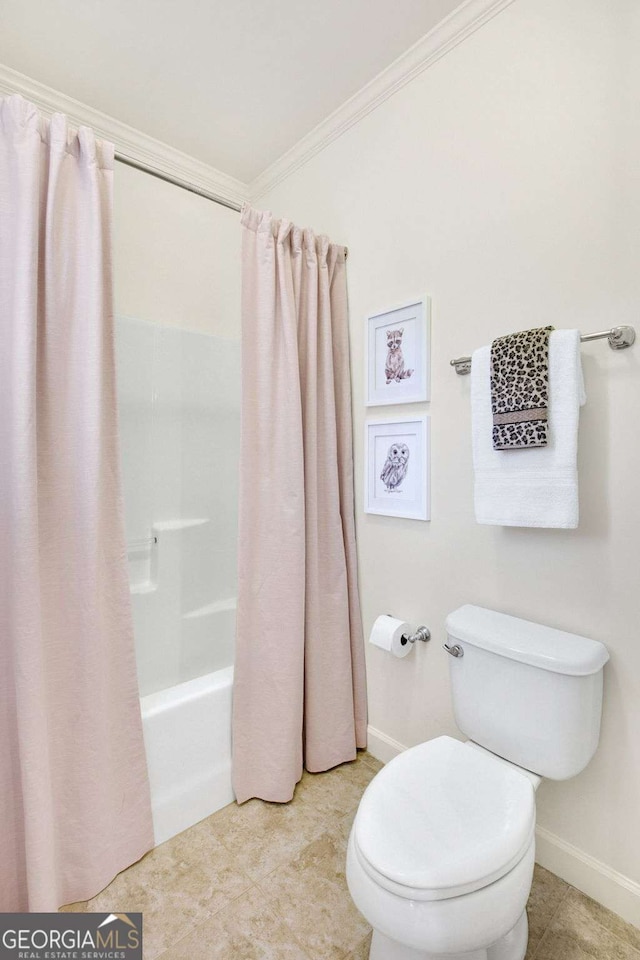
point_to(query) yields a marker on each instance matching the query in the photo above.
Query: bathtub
(187, 735)
(184, 653)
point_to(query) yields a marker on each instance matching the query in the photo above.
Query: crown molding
(128, 141)
(460, 24)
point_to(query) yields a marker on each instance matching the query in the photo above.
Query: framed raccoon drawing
(397, 468)
(398, 355)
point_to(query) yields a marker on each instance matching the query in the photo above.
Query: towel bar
(619, 338)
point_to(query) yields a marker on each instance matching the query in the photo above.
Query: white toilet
(440, 857)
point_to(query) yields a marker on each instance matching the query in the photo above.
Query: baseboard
(381, 746)
(600, 882)
(591, 876)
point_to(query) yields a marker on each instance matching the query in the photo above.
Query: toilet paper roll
(387, 633)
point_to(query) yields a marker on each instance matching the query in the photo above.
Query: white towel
(536, 487)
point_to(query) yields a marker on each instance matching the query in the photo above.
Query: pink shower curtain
(74, 793)
(299, 690)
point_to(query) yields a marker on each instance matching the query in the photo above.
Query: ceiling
(234, 84)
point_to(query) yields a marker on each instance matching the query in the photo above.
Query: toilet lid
(443, 819)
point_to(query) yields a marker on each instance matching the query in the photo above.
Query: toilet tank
(526, 692)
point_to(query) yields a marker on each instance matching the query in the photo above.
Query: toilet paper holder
(422, 633)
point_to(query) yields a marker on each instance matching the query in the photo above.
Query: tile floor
(266, 882)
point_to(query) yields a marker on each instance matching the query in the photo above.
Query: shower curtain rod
(183, 184)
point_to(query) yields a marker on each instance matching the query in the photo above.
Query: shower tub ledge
(187, 735)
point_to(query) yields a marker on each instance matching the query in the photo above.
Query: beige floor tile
(336, 792)
(558, 948)
(591, 910)
(371, 760)
(362, 950)
(311, 895)
(247, 929)
(547, 893)
(74, 907)
(177, 885)
(267, 881)
(341, 829)
(261, 836)
(575, 935)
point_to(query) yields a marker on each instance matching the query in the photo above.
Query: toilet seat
(443, 819)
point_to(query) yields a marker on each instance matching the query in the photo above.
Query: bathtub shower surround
(299, 695)
(74, 792)
(179, 401)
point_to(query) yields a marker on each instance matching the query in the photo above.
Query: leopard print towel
(520, 389)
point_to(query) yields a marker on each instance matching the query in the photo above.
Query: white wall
(503, 182)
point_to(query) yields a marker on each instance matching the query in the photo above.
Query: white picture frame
(397, 482)
(398, 367)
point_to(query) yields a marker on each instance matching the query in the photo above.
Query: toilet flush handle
(454, 649)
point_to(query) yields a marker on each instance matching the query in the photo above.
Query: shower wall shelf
(184, 524)
(619, 339)
(218, 606)
(147, 586)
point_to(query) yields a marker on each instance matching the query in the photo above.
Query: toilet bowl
(441, 852)
(440, 857)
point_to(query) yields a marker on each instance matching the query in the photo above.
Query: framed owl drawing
(397, 345)
(397, 468)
